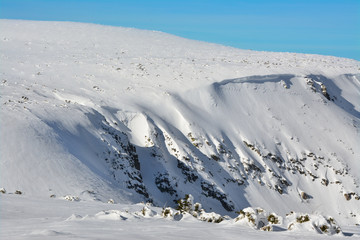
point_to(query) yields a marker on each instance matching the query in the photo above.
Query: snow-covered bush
(267, 228)
(2, 190)
(167, 212)
(146, 212)
(252, 217)
(311, 222)
(273, 219)
(303, 218)
(210, 217)
(186, 204)
(71, 198)
(258, 218)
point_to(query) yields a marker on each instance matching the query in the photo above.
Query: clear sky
(329, 27)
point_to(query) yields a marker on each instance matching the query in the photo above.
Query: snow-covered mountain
(98, 113)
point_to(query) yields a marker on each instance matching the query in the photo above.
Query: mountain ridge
(104, 112)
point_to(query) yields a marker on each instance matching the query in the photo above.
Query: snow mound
(49, 233)
(113, 215)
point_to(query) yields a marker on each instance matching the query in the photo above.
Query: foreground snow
(29, 218)
(93, 114)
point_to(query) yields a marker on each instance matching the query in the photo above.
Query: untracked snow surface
(104, 129)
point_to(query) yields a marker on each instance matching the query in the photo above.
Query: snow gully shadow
(258, 79)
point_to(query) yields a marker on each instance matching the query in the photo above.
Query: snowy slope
(101, 113)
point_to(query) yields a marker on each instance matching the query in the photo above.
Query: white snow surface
(91, 113)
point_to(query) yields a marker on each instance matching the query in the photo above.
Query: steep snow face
(106, 112)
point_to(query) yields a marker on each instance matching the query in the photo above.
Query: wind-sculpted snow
(96, 220)
(105, 114)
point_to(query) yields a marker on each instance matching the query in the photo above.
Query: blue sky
(326, 27)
